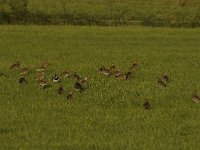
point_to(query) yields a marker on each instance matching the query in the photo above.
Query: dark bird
(1, 74)
(146, 105)
(16, 65)
(70, 95)
(196, 98)
(56, 79)
(78, 86)
(134, 66)
(165, 77)
(60, 90)
(76, 76)
(22, 80)
(128, 75)
(162, 83)
(104, 71)
(24, 71)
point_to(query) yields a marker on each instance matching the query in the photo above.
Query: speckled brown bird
(146, 105)
(165, 78)
(104, 71)
(119, 75)
(15, 65)
(134, 66)
(43, 84)
(76, 76)
(24, 71)
(45, 64)
(66, 73)
(196, 98)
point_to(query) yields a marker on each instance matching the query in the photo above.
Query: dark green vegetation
(110, 113)
(178, 13)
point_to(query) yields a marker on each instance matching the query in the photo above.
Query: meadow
(110, 113)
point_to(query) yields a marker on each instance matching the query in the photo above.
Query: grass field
(185, 13)
(110, 113)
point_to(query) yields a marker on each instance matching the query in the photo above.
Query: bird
(22, 80)
(43, 84)
(40, 69)
(165, 77)
(119, 75)
(146, 105)
(45, 64)
(128, 75)
(196, 98)
(161, 82)
(43, 67)
(60, 90)
(1, 74)
(76, 76)
(104, 71)
(70, 95)
(66, 74)
(40, 78)
(15, 65)
(134, 66)
(78, 86)
(112, 68)
(24, 71)
(83, 82)
(56, 79)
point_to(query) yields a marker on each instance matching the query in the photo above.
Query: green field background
(103, 12)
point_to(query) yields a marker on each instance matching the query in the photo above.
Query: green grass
(110, 113)
(103, 12)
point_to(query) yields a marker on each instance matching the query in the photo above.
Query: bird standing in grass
(40, 76)
(60, 90)
(196, 98)
(55, 79)
(15, 65)
(119, 75)
(165, 78)
(66, 73)
(22, 80)
(76, 76)
(43, 67)
(24, 71)
(78, 86)
(134, 66)
(146, 105)
(70, 95)
(104, 71)
(128, 75)
(162, 83)
(43, 84)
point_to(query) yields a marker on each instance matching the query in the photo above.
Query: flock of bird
(82, 83)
